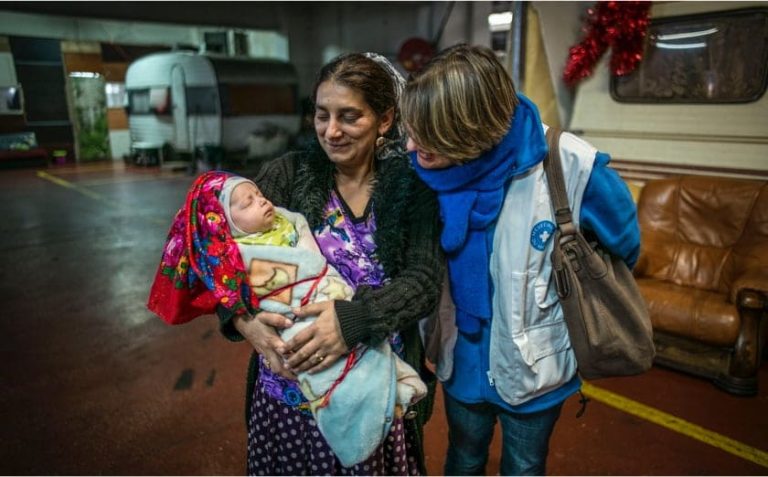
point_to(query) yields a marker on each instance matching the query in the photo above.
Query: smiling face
(428, 160)
(251, 212)
(346, 125)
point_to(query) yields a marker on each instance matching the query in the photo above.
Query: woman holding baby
(376, 223)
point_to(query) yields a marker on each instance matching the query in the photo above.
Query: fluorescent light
(84, 74)
(680, 46)
(692, 34)
(500, 21)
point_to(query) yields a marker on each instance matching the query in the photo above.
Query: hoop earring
(380, 141)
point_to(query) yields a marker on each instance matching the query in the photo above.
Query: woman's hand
(320, 344)
(260, 331)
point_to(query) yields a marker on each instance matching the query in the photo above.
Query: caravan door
(179, 99)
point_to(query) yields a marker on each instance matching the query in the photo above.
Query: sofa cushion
(701, 315)
(692, 229)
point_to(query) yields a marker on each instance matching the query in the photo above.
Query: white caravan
(189, 100)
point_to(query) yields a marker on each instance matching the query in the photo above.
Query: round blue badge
(541, 233)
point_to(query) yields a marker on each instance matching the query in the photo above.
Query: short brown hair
(461, 104)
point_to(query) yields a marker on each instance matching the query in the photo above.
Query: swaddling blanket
(353, 401)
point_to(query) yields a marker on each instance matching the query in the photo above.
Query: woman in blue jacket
(480, 146)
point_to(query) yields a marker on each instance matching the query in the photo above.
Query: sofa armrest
(639, 269)
(750, 290)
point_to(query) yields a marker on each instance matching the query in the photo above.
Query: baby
(253, 221)
(245, 249)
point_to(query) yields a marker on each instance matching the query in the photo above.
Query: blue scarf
(471, 197)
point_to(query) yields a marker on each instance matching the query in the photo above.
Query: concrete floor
(92, 383)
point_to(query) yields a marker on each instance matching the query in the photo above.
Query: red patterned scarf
(201, 264)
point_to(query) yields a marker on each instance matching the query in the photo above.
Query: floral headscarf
(201, 265)
(395, 139)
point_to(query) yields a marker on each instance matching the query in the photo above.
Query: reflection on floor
(92, 383)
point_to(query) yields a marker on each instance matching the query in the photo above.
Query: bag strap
(554, 170)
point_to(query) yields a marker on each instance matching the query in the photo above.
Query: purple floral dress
(283, 438)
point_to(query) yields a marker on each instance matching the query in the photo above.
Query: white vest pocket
(535, 362)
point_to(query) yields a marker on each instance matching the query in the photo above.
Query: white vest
(530, 352)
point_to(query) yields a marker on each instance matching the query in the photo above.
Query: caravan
(696, 103)
(189, 101)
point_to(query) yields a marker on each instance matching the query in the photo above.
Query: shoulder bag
(607, 318)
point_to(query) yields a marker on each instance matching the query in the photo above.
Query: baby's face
(250, 210)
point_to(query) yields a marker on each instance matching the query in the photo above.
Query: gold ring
(319, 359)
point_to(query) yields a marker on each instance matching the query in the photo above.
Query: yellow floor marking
(88, 193)
(65, 183)
(676, 424)
(127, 180)
(87, 168)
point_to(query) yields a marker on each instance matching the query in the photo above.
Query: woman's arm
(608, 210)
(374, 313)
(413, 292)
(260, 332)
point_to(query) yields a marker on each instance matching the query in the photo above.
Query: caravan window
(116, 97)
(202, 100)
(710, 58)
(10, 100)
(149, 101)
(257, 99)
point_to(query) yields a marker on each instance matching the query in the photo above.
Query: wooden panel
(90, 62)
(253, 99)
(117, 119)
(640, 172)
(114, 72)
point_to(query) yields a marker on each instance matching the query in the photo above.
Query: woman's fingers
(314, 309)
(263, 338)
(325, 328)
(312, 361)
(300, 348)
(275, 363)
(313, 350)
(320, 362)
(266, 341)
(310, 353)
(274, 319)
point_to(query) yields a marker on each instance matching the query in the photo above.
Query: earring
(379, 141)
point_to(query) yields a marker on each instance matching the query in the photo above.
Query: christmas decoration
(619, 25)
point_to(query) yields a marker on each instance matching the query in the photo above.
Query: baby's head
(246, 208)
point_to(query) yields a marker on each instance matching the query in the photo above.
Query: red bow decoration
(201, 265)
(622, 26)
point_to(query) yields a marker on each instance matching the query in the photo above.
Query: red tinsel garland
(619, 25)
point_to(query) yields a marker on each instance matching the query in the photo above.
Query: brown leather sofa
(703, 270)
